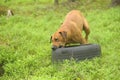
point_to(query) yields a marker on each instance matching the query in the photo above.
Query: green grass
(26, 51)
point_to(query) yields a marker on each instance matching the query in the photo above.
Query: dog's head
(58, 39)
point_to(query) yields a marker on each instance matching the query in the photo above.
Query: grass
(26, 51)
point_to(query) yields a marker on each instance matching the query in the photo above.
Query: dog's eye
(56, 39)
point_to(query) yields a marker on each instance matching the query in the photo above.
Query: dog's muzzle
(55, 47)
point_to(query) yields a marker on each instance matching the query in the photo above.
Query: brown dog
(71, 30)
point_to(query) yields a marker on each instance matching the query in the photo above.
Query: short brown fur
(71, 30)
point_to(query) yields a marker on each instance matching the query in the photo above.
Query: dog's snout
(54, 47)
(60, 46)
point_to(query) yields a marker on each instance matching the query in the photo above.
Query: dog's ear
(50, 39)
(63, 34)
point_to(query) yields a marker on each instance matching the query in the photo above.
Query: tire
(81, 52)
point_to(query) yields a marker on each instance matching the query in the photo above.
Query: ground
(25, 50)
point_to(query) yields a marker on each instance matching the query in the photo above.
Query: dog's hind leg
(82, 39)
(86, 29)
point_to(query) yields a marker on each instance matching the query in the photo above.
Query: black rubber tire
(81, 52)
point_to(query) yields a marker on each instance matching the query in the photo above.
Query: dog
(70, 30)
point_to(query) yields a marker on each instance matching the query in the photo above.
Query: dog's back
(76, 17)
